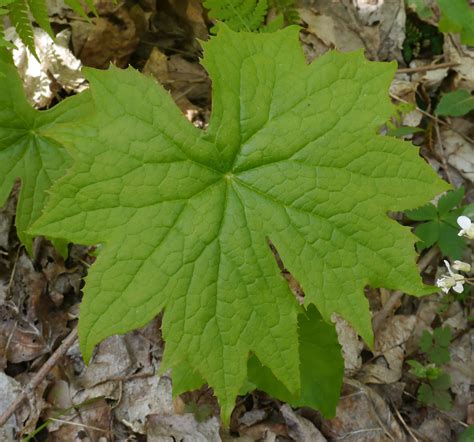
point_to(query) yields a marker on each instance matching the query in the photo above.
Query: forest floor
(119, 396)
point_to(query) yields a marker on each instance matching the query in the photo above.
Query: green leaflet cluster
(250, 15)
(439, 224)
(247, 15)
(291, 155)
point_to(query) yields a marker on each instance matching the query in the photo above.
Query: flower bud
(461, 266)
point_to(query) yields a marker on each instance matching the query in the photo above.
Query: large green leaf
(35, 159)
(291, 155)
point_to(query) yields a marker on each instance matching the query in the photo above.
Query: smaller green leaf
(442, 382)
(417, 369)
(467, 435)
(455, 104)
(426, 341)
(468, 211)
(436, 345)
(450, 200)
(449, 242)
(430, 394)
(442, 336)
(424, 213)
(451, 218)
(5, 57)
(321, 367)
(428, 232)
(404, 131)
(429, 371)
(457, 16)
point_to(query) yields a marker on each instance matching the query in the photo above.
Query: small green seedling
(429, 371)
(436, 392)
(434, 389)
(439, 224)
(436, 345)
(467, 435)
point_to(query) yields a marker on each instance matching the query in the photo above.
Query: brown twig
(39, 376)
(428, 67)
(405, 425)
(444, 161)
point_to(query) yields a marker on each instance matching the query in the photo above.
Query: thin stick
(39, 376)
(77, 424)
(405, 425)
(426, 259)
(432, 117)
(428, 67)
(444, 161)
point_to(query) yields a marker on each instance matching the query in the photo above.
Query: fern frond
(18, 11)
(40, 14)
(288, 9)
(91, 5)
(247, 15)
(77, 7)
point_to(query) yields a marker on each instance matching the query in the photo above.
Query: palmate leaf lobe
(291, 155)
(25, 152)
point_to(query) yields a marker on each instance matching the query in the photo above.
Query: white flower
(461, 266)
(467, 228)
(453, 281)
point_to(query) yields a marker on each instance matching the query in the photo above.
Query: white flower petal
(464, 222)
(446, 263)
(458, 288)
